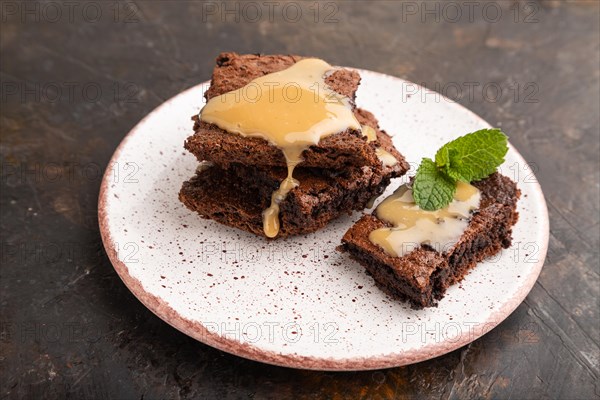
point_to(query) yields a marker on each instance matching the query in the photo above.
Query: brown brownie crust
(233, 71)
(423, 275)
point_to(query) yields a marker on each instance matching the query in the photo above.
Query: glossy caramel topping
(292, 109)
(369, 133)
(412, 226)
(386, 158)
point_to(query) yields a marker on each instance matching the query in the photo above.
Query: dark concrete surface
(77, 76)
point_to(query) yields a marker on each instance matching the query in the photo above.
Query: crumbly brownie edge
(341, 151)
(389, 282)
(222, 196)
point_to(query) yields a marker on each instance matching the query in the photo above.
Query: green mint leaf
(442, 157)
(445, 157)
(469, 158)
(432, 189)
(474, 156)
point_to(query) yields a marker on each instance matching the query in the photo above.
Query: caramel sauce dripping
(292, 109)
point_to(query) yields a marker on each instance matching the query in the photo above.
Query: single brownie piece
(237, 196)
(423, 275)
(338, 151)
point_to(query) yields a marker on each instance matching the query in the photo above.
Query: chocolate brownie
(233, 71)
(238, 195)
(423, 275)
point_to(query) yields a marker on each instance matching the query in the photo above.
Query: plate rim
(198, 331)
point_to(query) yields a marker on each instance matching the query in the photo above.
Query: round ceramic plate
(298, 302)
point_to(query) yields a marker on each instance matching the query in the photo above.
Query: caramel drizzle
(412, 226)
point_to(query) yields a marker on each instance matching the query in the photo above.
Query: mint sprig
(468, 158)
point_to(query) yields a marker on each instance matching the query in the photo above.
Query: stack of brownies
(238, 174)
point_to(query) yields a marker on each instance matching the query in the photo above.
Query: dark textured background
(74, 83)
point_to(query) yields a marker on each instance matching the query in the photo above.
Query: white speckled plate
(298, 302)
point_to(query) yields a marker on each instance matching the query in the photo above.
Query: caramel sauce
(369, 133)
(292, 109)
(412, 226)
(385, 157)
